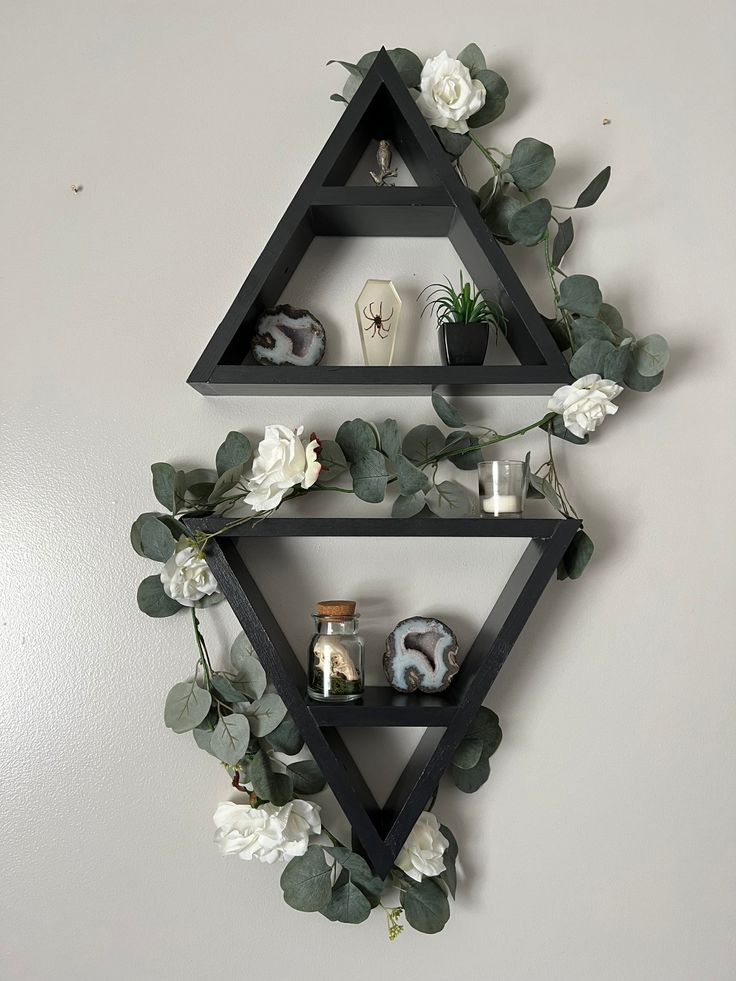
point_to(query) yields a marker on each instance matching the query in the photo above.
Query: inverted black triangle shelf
(380, 832)
(441, 205)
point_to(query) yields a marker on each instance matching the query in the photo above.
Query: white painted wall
(603, 846)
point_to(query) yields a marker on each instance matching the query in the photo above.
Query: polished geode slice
(285, 335)
(421, 653)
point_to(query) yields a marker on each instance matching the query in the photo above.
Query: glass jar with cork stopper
(336, 653)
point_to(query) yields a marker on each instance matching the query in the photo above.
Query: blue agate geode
(421, 654)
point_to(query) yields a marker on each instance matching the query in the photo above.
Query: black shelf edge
(382, 706)
(253, 379)
(383, 197)
(416, 527)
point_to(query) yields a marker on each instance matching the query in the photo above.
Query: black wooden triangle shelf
(440, 206)
(381, 831)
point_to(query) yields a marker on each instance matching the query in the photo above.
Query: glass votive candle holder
(502, 487)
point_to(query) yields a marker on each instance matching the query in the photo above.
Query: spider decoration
(376, 321)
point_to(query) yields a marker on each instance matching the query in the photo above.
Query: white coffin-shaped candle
(378, 309)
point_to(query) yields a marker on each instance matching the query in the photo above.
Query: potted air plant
(464, 317)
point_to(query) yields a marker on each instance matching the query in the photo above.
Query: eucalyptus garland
(231, 711)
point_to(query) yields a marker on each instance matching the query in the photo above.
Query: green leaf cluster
(375, 455)
(470, 767)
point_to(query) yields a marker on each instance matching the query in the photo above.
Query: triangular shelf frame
(440, 205)
(380, 832)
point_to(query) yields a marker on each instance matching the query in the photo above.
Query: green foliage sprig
(590, 331)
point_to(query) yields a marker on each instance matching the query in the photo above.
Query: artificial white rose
(422, 852)
(586, 403)
(267, 833)
(449, 96)
(186, 577)
(282, 462)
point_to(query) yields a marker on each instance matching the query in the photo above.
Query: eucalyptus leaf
(617, 363)
(411, 479)
(359, 870)
(336, 97)
(563, 241)
(407, 507)
(137, 527)
(496, 94)
(528, 225)
(153, 601)
(578, 555)
(557, 427)
(473, 779)
(486, 727)
(586, 329)
(611, 317)
(268, 784)
(180, 490)
(157, 542)
(306, 881)
(230, 739)
(462, 440)
(347, 905)
(453, 143)
(639, 382)
(163, 476)
(449, 876)
(426, 906)
(474, 60)
(594, 190)
(450, 500)
(370, 477)
(651, 355)
(203, 738)
(468, 753)
(286, 737)
(234, 451)
(580, 294)
(590, 358)
(226, 482)
(332, 461)
(423, 442)
(307, 777)
(348, 66)
(499, 215)
(447, 413)
(250, 678)
(265, 714)
(186, 706)
(390, 438)
(356, 438)
(546, 489)
(225, 689)
(408, 65)
(531, 164)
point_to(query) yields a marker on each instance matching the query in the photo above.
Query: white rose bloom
(282, 462)
(586, 403)
(267, 833)
(449, 96)
(423, 850)
(186, 577)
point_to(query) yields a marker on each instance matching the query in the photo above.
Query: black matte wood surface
(381, 832)
(440, 205)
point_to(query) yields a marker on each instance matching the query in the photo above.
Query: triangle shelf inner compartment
(439, 206)
(380, 832)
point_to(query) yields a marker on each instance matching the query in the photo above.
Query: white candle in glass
(502, 504)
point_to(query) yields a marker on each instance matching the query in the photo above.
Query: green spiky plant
(466, 305)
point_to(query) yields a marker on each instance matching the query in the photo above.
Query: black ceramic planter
(463, 343)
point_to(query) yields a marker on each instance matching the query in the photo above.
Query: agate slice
(421, 653)
(285, 335)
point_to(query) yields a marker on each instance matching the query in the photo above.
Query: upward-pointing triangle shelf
(440, 205)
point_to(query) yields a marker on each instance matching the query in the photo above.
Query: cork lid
(336, 609)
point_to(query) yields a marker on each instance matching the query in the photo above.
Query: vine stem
(553, 284)
(486, 153)
(203, 656)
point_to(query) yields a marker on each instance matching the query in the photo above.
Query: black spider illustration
(376, 321)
